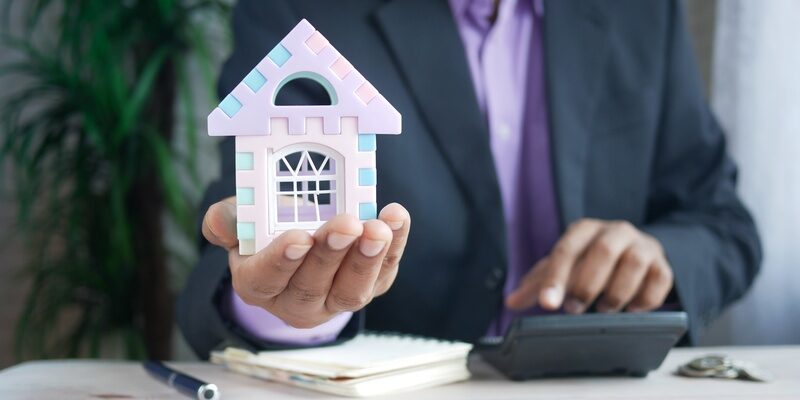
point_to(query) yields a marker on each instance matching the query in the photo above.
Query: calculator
(630, 344)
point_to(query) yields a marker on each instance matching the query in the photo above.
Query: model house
(297, 166)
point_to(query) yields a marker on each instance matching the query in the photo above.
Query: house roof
(303, 53)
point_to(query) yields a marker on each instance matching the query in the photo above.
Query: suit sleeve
(257, 27)
(709, 237)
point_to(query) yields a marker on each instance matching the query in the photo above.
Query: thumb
(219, 224)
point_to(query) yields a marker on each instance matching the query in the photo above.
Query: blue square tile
(367, 211)
(244, 161)
(254, 80)
(367, 142)
(246, 230)
(245, 196)
(279, 55)
(367, 177)
(230, 105)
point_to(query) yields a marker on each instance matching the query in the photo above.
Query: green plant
(89, 135)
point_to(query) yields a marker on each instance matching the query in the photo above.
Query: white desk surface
(86, 379)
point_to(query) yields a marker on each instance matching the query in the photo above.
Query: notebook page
(378, 384)
(364, 355)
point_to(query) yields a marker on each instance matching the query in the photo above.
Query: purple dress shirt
(506, 61)
(263, 325)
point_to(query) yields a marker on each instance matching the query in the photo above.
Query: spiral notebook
(370, 364)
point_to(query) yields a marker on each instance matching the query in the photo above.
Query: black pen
(183, 383)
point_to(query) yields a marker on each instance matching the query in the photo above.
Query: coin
(711, 362)
(690, 372)
(730, 373)
(751, 372)
(723, 367)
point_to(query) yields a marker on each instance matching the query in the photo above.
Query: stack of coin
(719, 366)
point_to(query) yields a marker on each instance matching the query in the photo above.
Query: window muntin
(305, 181)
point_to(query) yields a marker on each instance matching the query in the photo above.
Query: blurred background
(105, 156)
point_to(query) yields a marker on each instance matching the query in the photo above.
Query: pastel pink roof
(310, 52)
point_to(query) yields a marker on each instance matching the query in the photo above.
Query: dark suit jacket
(632, 139)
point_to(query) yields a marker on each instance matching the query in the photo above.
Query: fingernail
(603, 307)
(395, 225)
(339, 241)
(553, 296)
(574, 306)
(634, 309)
(296, 251)
(371, 248)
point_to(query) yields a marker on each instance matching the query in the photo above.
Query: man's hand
(305, 280)
(612, 260)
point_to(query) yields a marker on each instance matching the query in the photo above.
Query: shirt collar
(459, 7)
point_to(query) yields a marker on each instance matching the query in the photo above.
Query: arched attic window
(305, 89)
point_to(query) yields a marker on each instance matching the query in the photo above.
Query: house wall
(357, 183)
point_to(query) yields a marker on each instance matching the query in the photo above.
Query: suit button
(495, 278)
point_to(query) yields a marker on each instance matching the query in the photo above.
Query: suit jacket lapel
(575, 43)
(429, 52)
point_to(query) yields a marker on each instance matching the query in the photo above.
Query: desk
(84, 379)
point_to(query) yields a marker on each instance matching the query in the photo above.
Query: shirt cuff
(263, 325)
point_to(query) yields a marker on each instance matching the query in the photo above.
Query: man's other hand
(607, 260)
(305, 280)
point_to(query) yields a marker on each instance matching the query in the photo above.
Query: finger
(354, 283)
(259, 278)
(399, 221)
(592, 272)
(308, 288)
(525, 296)
(547, 287)
(655, 288)
(219, 224)
(627, 277)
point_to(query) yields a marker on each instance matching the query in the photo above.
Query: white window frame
(273, 179)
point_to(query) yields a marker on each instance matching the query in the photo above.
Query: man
(556, 156)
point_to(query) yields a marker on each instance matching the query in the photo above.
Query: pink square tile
(341, 67)
(316, 42)
(366, 92)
